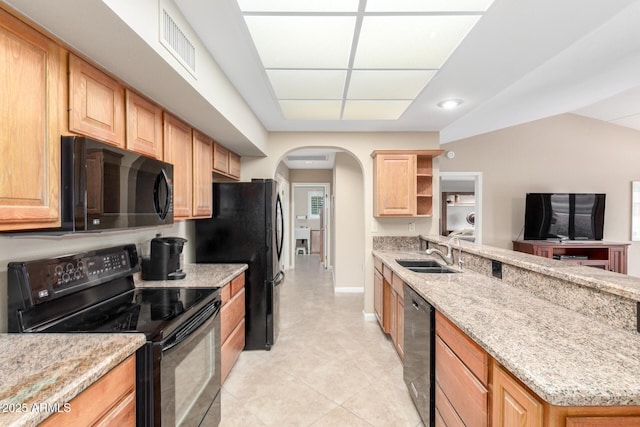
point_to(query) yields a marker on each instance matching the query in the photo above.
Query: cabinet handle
(415, 305)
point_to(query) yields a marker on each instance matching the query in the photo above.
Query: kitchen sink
(425, 266)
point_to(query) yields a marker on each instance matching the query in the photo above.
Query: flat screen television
(564, 216)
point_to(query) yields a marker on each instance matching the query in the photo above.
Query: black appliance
(164, 262)
(564, 216)
(104, 187)
(247, 227)
(419, 370)
(177, 370)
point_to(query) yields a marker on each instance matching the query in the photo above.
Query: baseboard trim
(369, 317)
(348, 290)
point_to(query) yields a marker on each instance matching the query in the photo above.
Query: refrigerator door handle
(277, 281)
(279, 227)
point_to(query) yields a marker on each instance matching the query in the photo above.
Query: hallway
(328, 367)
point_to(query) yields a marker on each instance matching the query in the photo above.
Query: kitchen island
(566, 357)
(40, 374)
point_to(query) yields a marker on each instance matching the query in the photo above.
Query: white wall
(361, 145)
(565, 153)
(348, 204)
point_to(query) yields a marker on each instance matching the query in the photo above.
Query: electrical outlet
(374, 226)
(412, 226)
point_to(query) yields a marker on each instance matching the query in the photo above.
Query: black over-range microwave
(106, 188)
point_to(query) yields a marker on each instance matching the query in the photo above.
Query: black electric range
(94, 292)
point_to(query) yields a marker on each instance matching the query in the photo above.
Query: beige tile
(340, 417)
(328, 366)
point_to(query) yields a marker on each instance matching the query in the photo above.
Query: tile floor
(329, 367)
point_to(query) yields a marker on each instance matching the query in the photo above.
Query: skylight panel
(298, 5)
(307, 84)
(428, 6)
(388, 84)
(302, 41)
(311, 110)
(410, 41)
(374, 110)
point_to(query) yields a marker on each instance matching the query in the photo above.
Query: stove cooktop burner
(147, 310)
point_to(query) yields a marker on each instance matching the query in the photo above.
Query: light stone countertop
(614, 283)
(52, 369)
(565, 357)
(198, 276)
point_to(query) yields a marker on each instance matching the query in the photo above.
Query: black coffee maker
(164, 263)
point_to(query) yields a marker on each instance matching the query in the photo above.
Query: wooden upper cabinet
(403, 182)
(220, 159)
(178, 151)
(395, 186)
(202, 164)
(144, 126)
(33, 74)
(225, 163)
(96, 103)
(234, 165)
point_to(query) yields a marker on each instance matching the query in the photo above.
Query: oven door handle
(187, 330)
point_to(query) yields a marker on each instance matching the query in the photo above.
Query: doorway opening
(311, 222)
(461, 204)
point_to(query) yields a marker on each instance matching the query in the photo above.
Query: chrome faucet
(448, 258)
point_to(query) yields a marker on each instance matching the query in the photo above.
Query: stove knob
(69, 267)
(66, 278)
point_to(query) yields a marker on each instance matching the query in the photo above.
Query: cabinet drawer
(231, 314)
(445, 411)
(387, 273)
(468, 351)
(398, 286)
(237, 283)
(466, 394)
(225, 294)
(231, 349)
(377, 263)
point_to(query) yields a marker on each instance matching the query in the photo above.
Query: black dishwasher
(419, 354)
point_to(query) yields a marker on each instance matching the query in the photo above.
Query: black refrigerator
(247, 227)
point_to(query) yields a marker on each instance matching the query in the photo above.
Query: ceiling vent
(306, 158)
(174, 39)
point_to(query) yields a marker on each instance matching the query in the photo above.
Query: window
(316, 201)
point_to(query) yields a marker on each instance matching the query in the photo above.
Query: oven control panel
(51, 278)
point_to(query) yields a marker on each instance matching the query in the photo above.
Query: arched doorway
(335, 175)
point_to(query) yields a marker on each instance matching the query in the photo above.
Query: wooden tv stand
(606, 255)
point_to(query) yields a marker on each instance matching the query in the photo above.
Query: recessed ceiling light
(449, 104)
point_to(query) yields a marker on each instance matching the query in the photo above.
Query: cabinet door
(618, 259)
(234, 165)
(400, 325)
(220, 159)
(603, 421)
(144, 126)
(177, 150)
(202, 195)
(395, 186)
(377, 296)
(96, 103)
(513, 405)
(32, 72)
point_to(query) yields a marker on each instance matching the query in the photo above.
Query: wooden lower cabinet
(232, 324)
(513, 405)
(462, 374)
(604, 255)
(396, 308)
(110, 401)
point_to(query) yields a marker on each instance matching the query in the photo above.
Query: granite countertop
(198, 276)
(53, 368)
(614, 283)
(565, 357)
